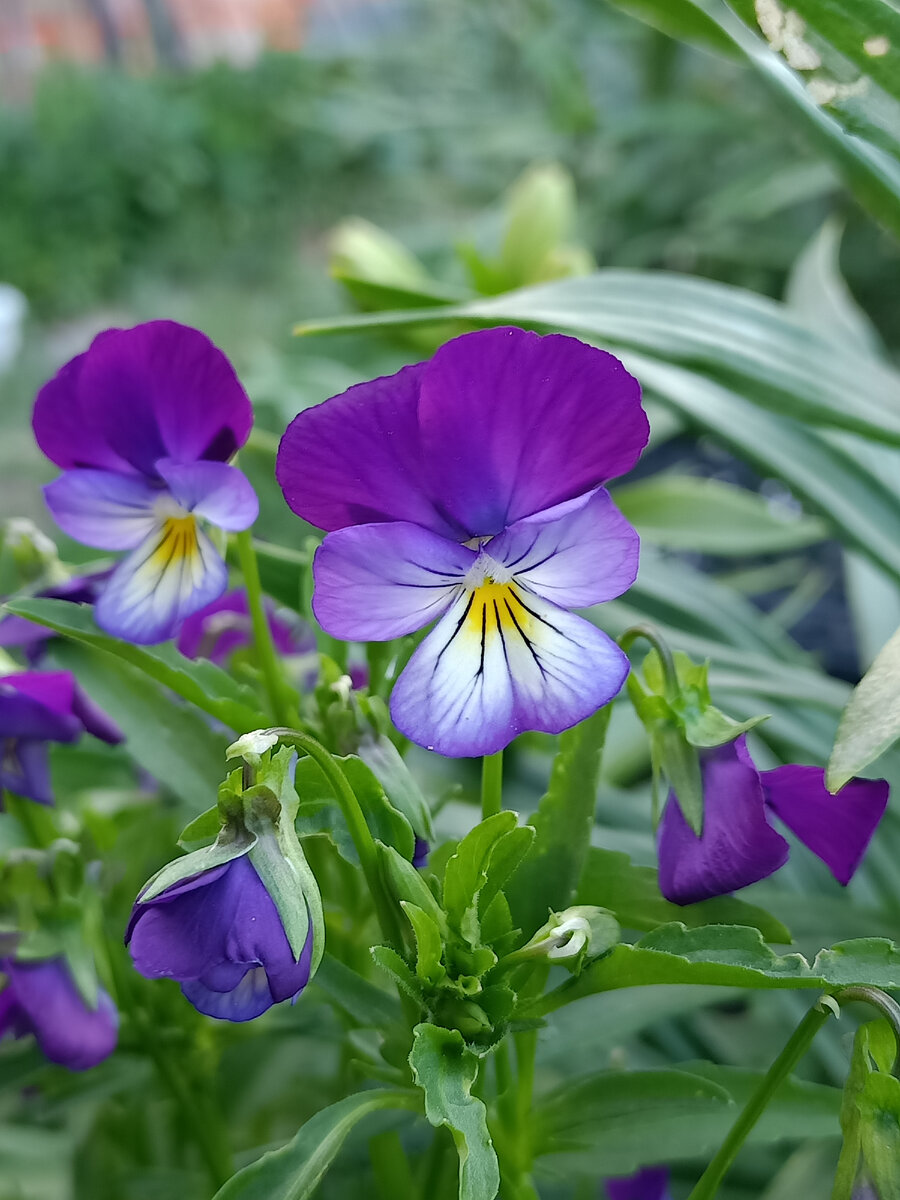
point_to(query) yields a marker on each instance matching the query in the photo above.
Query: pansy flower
(37, 707)
(143, 425)
(221, 628)
(739, 845)
(467, 490)
(40, 998)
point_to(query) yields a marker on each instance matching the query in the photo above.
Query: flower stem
(652, 635)
(491, 784)
(262, 634)
(797, 1045)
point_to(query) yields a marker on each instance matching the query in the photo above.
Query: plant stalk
(491, 784)
(262, 634)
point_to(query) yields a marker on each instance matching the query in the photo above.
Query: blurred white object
(12, 316)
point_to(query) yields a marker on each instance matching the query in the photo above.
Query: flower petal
(103, 508)
(651, 1183)
(247, 999)
(94, 719)
(38, 704)
(578, 553)
(836, 828)
(738, 846)
(501, 661)
(376, 582)
(65, 432)
(172, 573)
(25, 770)
(357, 458)
(181, 934)
(214, 491)
(513, 423)
(68, 1032)
(220, 628)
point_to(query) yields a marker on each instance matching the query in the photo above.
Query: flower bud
(573, 935)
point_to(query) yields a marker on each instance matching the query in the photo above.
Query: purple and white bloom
(40, 997)
(739, 845)
(650, 1183)
(220, 935)
(217, 630)
(37, 707)
(33, 638)
(467, 490)
(143, 425)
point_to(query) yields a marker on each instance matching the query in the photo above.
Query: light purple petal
(738, 845)
(68, 1032)
(513, 423)
(376, 582)
(248, 999)
(214, 491)
(173, 573)
(651, 1183)
(580, 552)
(102, 508)
(836, 828)
(357, 459)
(500, 662)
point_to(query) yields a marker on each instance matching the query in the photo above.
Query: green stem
(491, 784)
(797, 1045)
(886, 1005)
(652, 635)
(262, 634)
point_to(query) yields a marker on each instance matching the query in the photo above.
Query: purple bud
(651, 1183)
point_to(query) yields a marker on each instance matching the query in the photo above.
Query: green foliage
(871, 721)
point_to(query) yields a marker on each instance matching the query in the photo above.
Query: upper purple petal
(651, 1183)
(513, 423)
(50, 1006)
(358, 458)
(38, 704)
(376, 582)
(836, 828)
(160, 390)
(738, 846)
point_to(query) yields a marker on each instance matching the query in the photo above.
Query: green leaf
(851, 25)
(466, 872)
(446, 1071)
(391, 962)
(169, 740)
(366, 1003)
(295, 1171)
(197, 680)
(729, 955)
(385, 822)
(610, 880)
(680, 512)
(871, 720)
(429, 947)
(879, 1131)
(408, 885)
(680, 19)
(549, 876)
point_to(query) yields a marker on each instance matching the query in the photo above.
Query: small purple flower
(37, 707)
(651, 1183)
(739, 846)
(143, 425)
(220, 935)
(41, 998)
(467, 490)
(217, 630)
(31, 637)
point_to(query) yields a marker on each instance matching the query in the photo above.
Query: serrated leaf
(197, 680)
(391, 962)
(295, 1171)
(445, 1070)
(871, 721)
(466, 872)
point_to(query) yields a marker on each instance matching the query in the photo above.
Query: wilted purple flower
(739, 846)
(41, 998)
(217, 630)
(651, 1183)
(143, 425)
(17, 631)
(37, 707)
(467, 490)
(220, 935)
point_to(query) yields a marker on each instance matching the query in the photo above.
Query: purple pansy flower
(467, 490)
(651, 1183)
(220, 935)
(739, 846)
(217, 630)
(143, 425)
(37, 707)
(31, 637)
(41, 998)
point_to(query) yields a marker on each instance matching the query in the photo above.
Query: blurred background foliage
(391, 165)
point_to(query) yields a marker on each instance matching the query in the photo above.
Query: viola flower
(41, 998)
(37, 707)
(468, 490)
(651, 1183)
(220, 935)
(33, 638)
(143, 425)
(739, 846)
(217, 630)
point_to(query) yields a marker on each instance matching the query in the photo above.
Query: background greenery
(210, 197)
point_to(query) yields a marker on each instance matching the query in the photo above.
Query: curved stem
(886, 1005)
(491, 784)
(797, 1045)
(262, 634)
(652, 635)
